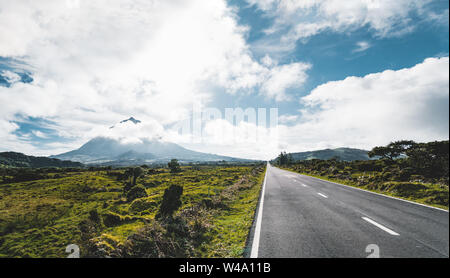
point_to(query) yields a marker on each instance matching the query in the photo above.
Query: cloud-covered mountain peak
(131, 142)
(129, 120)
(109, 151)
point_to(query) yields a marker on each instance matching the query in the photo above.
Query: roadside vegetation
(414, 171)
(174, 211)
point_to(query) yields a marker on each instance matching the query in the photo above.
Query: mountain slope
(102, 150)
(347, 154)
(14, 159)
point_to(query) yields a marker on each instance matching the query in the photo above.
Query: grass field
(40, 218)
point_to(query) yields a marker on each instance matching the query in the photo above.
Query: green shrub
(171, 200)
(150, 184)
(127, 187)
(438, 197)
(405, 174)
(103, 246)
(404, 189)
(387, 175)
(94, 217)
(416, 178)
(154, 241)
(174, 166)
(142, 204)
(169, 237)
(135, 192)
(111, 219)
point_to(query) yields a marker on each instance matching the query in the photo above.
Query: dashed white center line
(389, 231)
(304, 185)
(322, 195)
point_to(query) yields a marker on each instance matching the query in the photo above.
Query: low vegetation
(405, 169)
(192, 211)
(14, 159)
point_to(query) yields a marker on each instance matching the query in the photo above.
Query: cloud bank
(95, 63)
(360, 112)
(411, 103)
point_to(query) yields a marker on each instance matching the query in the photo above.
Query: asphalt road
(305, 217)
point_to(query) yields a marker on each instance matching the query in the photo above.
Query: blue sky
(333, 55)
(337, 73)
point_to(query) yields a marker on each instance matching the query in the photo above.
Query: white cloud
(306, 18)
(268, 61)
(285, 119)
(95, 63)
(39, 134)
(283, 77)
(244, 140)
(362, 46)
(10, 77)
(411, 103)
(360, 112)
(10, 141)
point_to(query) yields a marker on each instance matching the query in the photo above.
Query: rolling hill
(347, 154)
(14, 159)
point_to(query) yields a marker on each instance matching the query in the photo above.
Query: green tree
(128, 174)
(430, 159)
(393, 150)
(137, 172)
(174, 166)
(283, 159)
(290, 159)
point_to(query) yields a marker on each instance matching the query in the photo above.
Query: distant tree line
(403, 160)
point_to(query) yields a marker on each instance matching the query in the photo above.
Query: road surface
(300, 216)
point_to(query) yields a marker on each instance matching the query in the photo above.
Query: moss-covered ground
(40, 218)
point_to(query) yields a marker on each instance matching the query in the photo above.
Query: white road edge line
(255, 244)
(387, 196)
(380, 226)
(322, 195)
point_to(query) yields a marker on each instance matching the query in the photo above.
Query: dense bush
(142, 204)
(135, 192)
(174, 237)
(127, 187)
(94, 217)
(111, 219)
(171, 201)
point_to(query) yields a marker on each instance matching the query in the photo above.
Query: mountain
(102, 150)
(131, 119)
(109, 151)
(14, 159)
(347, 154)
